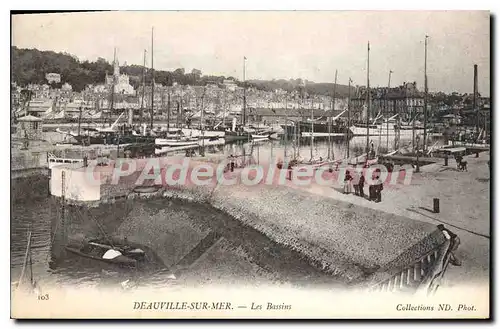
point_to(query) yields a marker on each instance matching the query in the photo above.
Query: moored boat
(381, 129)
(231, 136)
(195, 133)
(176, 142)
(122, 255)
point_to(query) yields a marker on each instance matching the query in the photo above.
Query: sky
(310, 45)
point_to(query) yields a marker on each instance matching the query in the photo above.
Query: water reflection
(265, 150)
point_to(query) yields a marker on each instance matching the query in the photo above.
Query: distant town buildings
(229, 85)
(225, 100)
(405, 100)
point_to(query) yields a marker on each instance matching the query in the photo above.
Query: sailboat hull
(320, 129)
(231, 136)
(175, 142)
(198, 133)
(382, 130)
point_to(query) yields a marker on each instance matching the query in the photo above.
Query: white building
(120, 81)
(53, 77)
(66, 87)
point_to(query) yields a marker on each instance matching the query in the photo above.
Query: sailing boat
(240, 133)
(167, 144)
(202, 132)
(385, 128)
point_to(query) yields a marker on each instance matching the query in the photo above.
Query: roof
(29, 118)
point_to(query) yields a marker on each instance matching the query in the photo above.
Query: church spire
(116, 71)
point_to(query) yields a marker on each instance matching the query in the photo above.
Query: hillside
(31, 65)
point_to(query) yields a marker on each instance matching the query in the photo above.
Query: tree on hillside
(29, 66)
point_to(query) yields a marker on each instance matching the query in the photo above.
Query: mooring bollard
(436, 205)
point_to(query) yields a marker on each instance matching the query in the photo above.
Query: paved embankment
(350, 242)
(464, 199)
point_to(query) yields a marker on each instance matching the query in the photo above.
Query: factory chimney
(474, 98)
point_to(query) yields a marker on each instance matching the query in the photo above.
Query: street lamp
(417, 139)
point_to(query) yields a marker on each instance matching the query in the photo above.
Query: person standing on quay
(374, 186)
(355, 183)
(347, 183)
(361, 185)
(378, 188)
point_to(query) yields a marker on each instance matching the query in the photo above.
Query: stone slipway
(351, 242)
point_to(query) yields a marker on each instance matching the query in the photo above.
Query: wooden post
(436, 205)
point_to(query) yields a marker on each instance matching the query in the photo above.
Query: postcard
(250, 165)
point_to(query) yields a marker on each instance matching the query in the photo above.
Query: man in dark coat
(378, 187)
(361, 185)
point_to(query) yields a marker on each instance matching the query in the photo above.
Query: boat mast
(224, 113)
(203, 123)
(143, 86)
(286, 123)
(398, 121)
(162, 101)
(312, 129)
(32, 282)
(330, 119)
(152, 81)
(425, 95)
(168, 111)
(301, 118)
(79, 120)
(112, 90)
(368, 96)
(387, 110)
(244, 92)
(348, 117)
(474, 101)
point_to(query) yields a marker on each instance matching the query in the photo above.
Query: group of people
(358, 182)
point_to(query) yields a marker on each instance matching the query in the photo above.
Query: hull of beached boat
(119, 260)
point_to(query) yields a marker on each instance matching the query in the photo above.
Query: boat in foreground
(122, 254)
